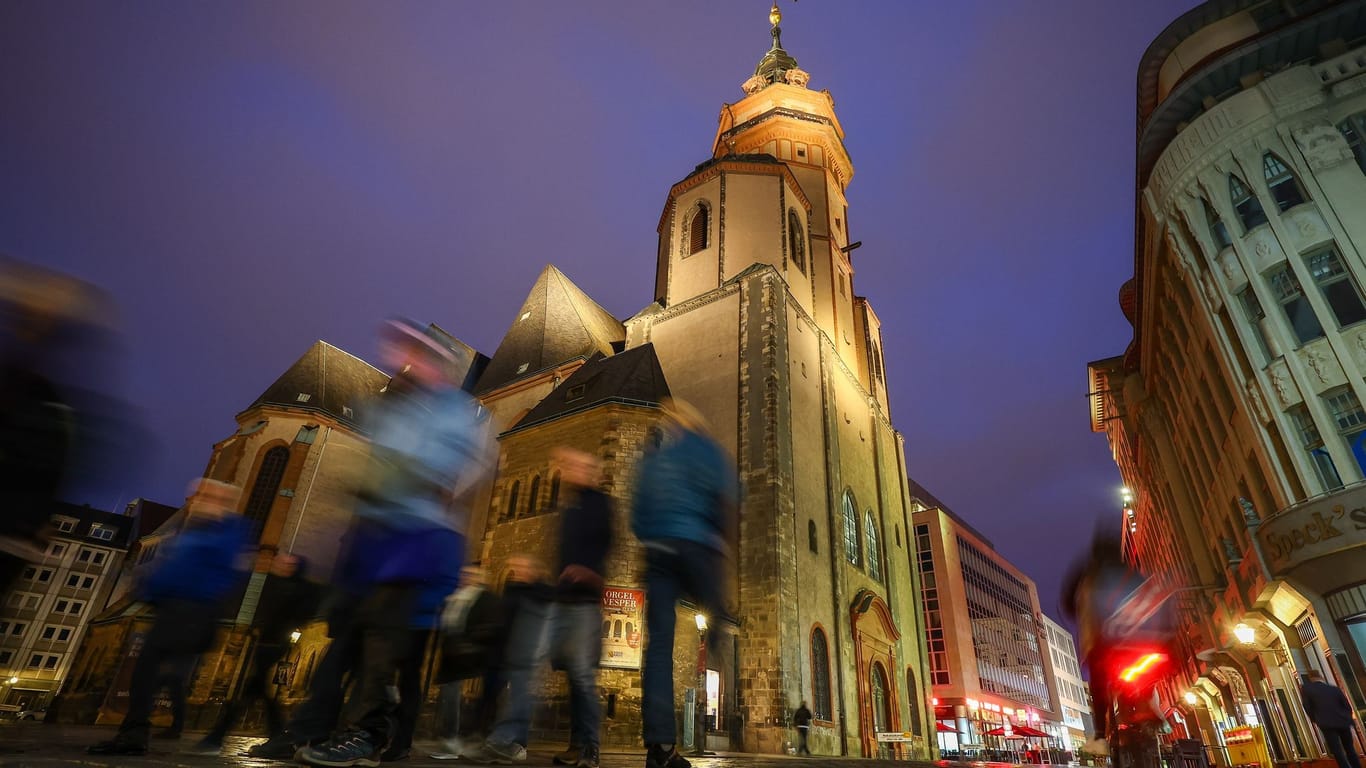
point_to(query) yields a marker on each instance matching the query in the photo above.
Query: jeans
(261, 675)
(526, 652)
(315, 718)
(1339, 741)
(142, 690)
(410, 689)
(673, 568)
(801, 740)
(577, 638)
(382, 619)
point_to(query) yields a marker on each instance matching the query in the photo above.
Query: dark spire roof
(774, 65)
(557, 322)
(632, 377)
(469, 363)
(328, 380)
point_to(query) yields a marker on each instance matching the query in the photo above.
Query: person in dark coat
(425, 621)
(473, 626)
(1329, 709)
(802, 719)
(288, 603)
(206, 562)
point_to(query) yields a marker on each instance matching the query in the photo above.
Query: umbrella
(1033, 733)
(940, 727)
(1001, 731)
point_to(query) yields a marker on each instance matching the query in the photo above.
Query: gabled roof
(469, 362)
(89, 520)
(328, 380)
(632, 377)
(148, 516)
(557, 322)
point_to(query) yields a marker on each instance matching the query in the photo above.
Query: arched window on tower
(1353, 129)
(1218, 231)
(264, 490)
(1246, 204)
(796, 239)
(820, 676)
(1280, 180)
(873, 548)
(512, 498)
(811, 536)
(699, 229)
(534, 496)
(555, 490)
(852, 546)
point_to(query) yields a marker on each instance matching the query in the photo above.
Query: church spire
(777, 65)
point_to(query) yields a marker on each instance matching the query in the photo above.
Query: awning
(938, 726)
(1018, 732)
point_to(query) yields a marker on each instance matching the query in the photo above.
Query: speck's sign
(623, 627)
(1313, 530)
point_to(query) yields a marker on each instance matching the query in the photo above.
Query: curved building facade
(1236, 414)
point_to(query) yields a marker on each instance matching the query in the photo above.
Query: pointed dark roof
(469, 362)
(328, 380)
(557, 322)
(633, 377)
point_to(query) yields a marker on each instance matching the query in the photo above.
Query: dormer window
(303, 397)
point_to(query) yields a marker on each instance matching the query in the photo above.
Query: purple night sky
(245, 178)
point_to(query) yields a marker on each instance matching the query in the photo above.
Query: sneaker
(204, 747)
(493, 753)
(275, 748)
(348, 749)
(117, 747)
(588, 757)
(658, 757)
(1096, 747)
(392, 755)
(450, 749)
(568, 757)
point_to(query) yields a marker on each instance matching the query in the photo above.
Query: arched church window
(913, 698)
(811, 536)
(1353, 129)
(1246, 204)
(1280, 180)
(512, 498)
(699, 229)
(873, 548)
(264, 490)
(1218, 231)
(852, 546)
(534, 496)
(796, 240)
(820, 676)
(555, 490)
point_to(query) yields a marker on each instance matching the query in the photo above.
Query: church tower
(755, 321)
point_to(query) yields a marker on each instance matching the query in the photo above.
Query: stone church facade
(755, 321)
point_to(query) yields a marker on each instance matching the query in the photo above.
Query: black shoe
(657, 757)
(273, 749)
(393, 755)
(350, 748)
(169, 733)
(117, 747)
(569, 756)
(588, 757)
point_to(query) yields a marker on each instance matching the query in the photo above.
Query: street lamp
(294, 636)
(1245, 634)
(1191, 698)
(14, 681)
(700, 700)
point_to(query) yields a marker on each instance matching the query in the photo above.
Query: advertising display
(623, 625)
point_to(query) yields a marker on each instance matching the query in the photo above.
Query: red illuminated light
(1138, 668)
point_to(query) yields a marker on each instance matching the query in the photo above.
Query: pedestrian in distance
(802, 719)
(206, 561)
(431, 448)
(288, 603)
(472, 627)
(1329, 709)
(527, 603)
(685, 500)
(576, 629)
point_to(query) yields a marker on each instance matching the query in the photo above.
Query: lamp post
(700, 700)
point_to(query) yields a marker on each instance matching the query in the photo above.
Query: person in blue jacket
(686, 495)
(426, 620)
(205, 563)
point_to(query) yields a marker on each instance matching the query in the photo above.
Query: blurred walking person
(802, 719)
(1329, 709)
(576, 629)
(472, 639)
(205, 563)
(421, 635)
(288, 603)
(430, 448)
(686, 495)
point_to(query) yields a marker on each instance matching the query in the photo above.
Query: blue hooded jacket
(203, 564)
(685, 490)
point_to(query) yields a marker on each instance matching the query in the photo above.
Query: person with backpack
(472, 625)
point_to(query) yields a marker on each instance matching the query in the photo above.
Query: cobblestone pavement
(43, 746)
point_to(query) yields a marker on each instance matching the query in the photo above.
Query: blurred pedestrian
(288, 603)
(422, 633)
(802, 719)
(1329, 709)
(685, 500)
(187, 588)
(472, 639)
(576, 630)
(430, 448)
(527, 602)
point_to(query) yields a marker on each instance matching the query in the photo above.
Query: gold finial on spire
(775, 16)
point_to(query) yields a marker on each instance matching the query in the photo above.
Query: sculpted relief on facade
(1322, 365)
(1254, 396)
(1287, 394)
(1322, 145)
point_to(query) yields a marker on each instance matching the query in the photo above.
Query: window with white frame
(101, 532)
(1350, 420)
(1286, 287)
(6, 657)
(1284, 187)
(56, 633)
(64, 524)
(1338, 288)
(1312, 442)
(56, 550)
(1353, 129)
(18, 629)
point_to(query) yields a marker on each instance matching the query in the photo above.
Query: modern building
(990, 665)
(755, 321)
(1069, 690)
(43, 619)
(1235, 415)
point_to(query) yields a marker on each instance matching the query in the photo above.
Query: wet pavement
(42, 746)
